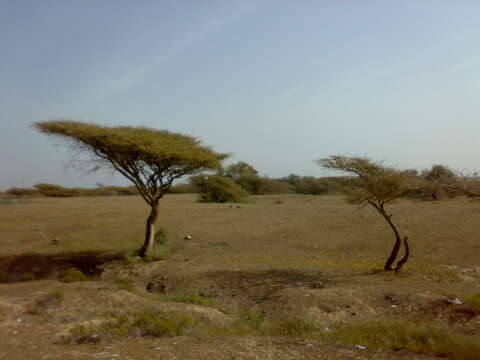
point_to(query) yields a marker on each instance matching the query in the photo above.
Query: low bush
(73, 274)
(216, 188)
(257, 185)
(147, 323)
(429, 339)
(196, 299)
(183, 189)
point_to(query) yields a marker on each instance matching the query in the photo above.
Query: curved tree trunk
(150, 232)
(404, 259)
(398, 241)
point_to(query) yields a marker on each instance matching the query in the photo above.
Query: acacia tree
(241, 168)
(440, 179)
(151, 159)
(376, 185)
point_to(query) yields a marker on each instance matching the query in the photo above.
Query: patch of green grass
(28, 277)
(147, 323)
(161, 237)
(197, 299)
(293, 327)
(157, 253)
(57, 295)
(73, 274)
(155, 324)
(124, 285)
(474, 299)
(429, 339)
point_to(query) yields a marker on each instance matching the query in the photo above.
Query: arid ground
(283, 277)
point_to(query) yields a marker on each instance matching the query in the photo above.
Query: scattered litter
(393, 306)
(19, 320)
(105, 355)
(455, 301)
(361, 347)
(187, 237)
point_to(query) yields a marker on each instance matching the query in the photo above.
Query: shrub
(20, 192)
(55, 190)
(183, 189)
(216, 188)
(429, 339)
(197, 299)
(257, 185)
(147, 323)
(73, 274)
(294, 327)
(156, 324)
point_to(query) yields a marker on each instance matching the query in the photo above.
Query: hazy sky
(276, 83)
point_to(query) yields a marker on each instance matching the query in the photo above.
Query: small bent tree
(376, 185)
(151, 159)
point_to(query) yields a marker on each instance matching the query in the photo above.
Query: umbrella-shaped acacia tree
(377, 186)
(151, 159)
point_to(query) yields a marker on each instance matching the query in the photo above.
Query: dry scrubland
(286, 277)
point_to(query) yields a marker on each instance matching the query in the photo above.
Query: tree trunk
(404, 259)
(150, 232)
(398, 241)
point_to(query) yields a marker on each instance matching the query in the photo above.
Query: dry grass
(285, 266)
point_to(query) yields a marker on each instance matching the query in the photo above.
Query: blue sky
(276, 83)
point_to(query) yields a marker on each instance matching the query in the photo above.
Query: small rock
(361, 347)
(187, 237)
(19, 320)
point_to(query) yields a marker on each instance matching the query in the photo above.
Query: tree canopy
(150, 158)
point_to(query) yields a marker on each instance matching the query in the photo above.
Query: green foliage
(124, 285)
(257, 185)
(376, 183)
(147, 323)
(311, 185)
(183, 189)
(21, 192)
(216, 188)
(196, 299)
(134, 147)
(437, 182)
(317, 186)
(293, 327)
(161, 237)
(157, 253)
(73, 274)
(240, 169)
(156, 324)
(474, 299)
(397, 335)
(28, 277)
(52, 190)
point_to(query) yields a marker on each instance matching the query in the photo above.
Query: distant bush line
(251, 184)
